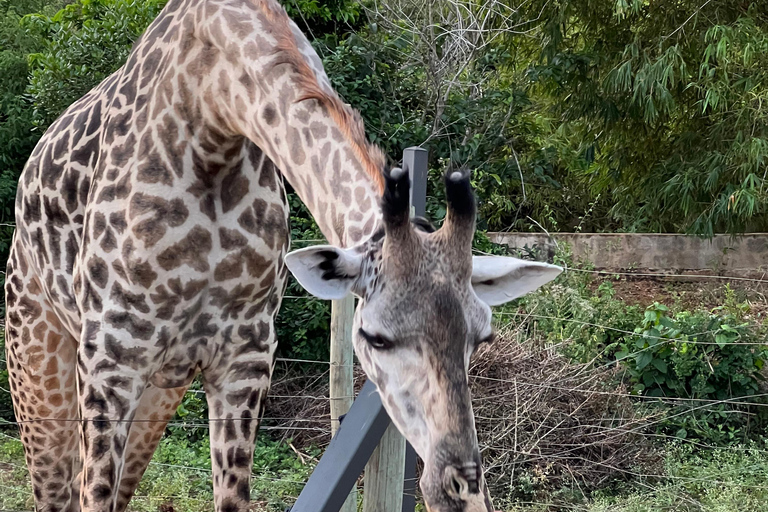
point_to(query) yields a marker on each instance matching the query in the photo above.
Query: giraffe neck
(259, 77)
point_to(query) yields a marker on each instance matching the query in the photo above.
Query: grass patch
(719, 480)
(178, 478)
(15, 486)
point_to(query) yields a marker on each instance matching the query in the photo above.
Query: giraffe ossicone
(152, 246)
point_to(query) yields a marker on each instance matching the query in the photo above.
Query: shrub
(701, 364)
(693, 355)
(709, 359)
(83, 44)
(587, 326)
(303, 323)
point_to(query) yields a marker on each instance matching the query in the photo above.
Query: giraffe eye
(376, 341)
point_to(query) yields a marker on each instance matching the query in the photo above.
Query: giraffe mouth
(455, 488)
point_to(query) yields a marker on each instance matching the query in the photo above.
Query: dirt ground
(690, 291)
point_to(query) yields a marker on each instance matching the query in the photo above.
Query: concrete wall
(651, 251)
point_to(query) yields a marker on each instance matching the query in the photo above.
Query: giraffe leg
(113, 372)
(41, 359)
(157, 405)
(107, 415)
(233, 426)
(236, 395)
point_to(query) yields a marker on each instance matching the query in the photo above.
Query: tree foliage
(575, 114)
(662, 106)
(83, 44)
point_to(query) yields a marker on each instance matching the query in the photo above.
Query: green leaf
(660, 365)
(667, 322)
(643, 359)
(652, 333)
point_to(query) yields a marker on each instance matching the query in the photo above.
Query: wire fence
(536, 413)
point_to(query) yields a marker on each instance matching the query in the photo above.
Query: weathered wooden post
(342, 381)
(390, 482)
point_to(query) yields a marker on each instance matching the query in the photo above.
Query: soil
(690, 292)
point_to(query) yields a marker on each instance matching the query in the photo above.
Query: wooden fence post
(342, 391)
(389, 484)
(383, 481)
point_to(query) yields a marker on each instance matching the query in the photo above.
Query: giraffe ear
(500, 279)
(325, 271)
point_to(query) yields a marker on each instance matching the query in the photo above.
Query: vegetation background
(577, 115)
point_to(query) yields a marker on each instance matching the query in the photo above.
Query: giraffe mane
(346, 118)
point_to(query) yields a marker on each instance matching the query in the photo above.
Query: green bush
(303, 323)
(587, 326)
(83, 44)
(701, 364)
(694, 355)
(711, 361)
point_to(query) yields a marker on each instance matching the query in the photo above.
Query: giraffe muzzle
(456, 487)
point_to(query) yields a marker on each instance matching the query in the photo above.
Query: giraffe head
(424, 309)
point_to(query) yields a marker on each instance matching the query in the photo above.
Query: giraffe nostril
(456, 486)
(454, 483)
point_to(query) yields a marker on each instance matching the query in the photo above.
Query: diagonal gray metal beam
(346, 455)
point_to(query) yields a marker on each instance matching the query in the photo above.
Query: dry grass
(552, 421)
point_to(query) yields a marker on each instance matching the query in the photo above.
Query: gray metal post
(349, 450)
(415, 162)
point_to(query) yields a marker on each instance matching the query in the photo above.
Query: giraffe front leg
(110, 389)
(235, 401)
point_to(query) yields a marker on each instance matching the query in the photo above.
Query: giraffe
(152, 245)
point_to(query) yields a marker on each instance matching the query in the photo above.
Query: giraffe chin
(453, 493)
(480, 503)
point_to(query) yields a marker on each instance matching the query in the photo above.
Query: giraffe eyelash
(376, 341)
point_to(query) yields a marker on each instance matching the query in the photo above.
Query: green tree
(662, 108)
(17, 131)
(83, 44)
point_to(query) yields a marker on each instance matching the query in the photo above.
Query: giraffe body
(151, 231)
(151, 245)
